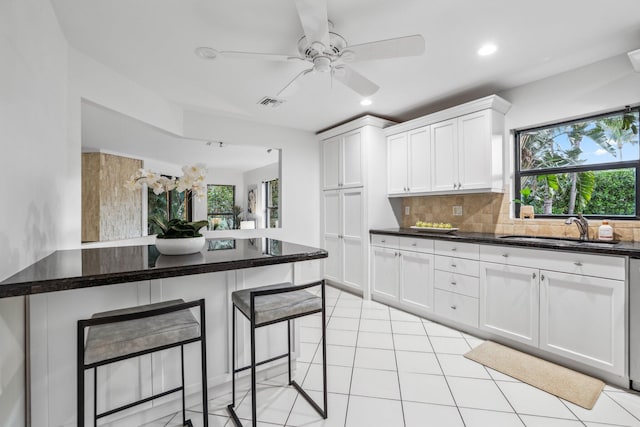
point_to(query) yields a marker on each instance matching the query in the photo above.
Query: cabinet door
(384, 273)
(416, 280)
(419, 160)
(331, 224)
(397, 164)
(351, 170)
(475, 151)
(509, 298)
(331, 163)
(582, 318)
(352, 236)
(444, 163)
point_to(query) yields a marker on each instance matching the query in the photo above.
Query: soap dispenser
(605, 231)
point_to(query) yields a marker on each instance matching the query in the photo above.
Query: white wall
(300, 166)
(606, 85)
(34, 162)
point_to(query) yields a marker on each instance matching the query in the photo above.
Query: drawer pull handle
(453, 265)
(383, 241)
(578, 263)
(453, 307)
(453, 249)
(454, 283)
(534, 275)
(414, 244)
(505, 255)
(542, 277)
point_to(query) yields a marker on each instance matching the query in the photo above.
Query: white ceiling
(111, 132)
(152, 42)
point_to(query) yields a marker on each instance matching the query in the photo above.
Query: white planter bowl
(186, 246)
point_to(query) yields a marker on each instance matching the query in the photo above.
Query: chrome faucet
(583, 225)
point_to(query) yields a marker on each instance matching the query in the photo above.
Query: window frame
(628, 164)
(223, 214)
(267, 207)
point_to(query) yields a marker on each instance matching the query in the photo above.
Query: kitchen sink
(564, 241)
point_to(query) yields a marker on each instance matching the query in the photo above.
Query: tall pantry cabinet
(354, 199)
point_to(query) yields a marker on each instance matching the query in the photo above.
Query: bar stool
(131, 332)
(266, 305)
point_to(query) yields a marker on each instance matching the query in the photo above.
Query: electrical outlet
(407, 210)
(457, 211)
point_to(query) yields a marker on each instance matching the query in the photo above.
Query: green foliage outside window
(586, 166)
(220, 207)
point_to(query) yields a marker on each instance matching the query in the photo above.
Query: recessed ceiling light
(206, 53)
(366, 102)
(487, 49)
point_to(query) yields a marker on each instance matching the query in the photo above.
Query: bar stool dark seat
(266, 305)
(131, 332)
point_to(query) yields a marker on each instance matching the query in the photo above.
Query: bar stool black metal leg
(95, 397)
(184, 414)
(289, 348)
(254, 406)
(324, 352)
(203, 356)
(80, 374)
(233, 357)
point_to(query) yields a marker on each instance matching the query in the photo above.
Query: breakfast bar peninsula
(72, 284)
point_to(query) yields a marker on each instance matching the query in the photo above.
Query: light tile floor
(389, 368)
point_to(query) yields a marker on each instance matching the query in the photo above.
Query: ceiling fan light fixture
(365, 102)
(322, 64)
(206, 52)
(487, 49)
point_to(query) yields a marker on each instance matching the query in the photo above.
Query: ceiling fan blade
(293, 86)
(355, 81)
(383, 49)
(255, 55)
(314, 20)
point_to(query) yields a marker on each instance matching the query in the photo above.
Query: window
(168, 205)
(220, 207)
(587, 166)
(271, 201)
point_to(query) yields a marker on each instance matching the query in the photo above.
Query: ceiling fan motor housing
(307, 49)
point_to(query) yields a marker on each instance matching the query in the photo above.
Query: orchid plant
(193, 179)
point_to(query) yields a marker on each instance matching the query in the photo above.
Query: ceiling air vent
(268, 101)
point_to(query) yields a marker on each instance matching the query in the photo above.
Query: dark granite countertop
(622, 248)
(81, 268)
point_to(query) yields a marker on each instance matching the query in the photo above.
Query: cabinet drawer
(469, 267)
(458, 283)
(611, 267)
(459, 308)
(457, 249)
(416, 244)
(383, 240)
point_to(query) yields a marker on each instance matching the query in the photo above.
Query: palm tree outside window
(587, 166)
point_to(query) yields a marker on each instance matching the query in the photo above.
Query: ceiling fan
(328, 52)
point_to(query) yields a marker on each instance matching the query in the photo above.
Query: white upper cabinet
(342, 161)
(409, 162)
(444, 137)
(452, 151)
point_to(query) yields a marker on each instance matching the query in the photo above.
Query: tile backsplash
(491, 213)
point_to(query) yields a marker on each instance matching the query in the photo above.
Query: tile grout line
(464, 423)
(353, 363)
(395, 357)
(619, 404)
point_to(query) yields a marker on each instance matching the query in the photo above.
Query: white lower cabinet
(416, 280)
(403, 277)
(509, 302)
(384, 273)
(582, 318)
(457, 307)
(562, 302)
